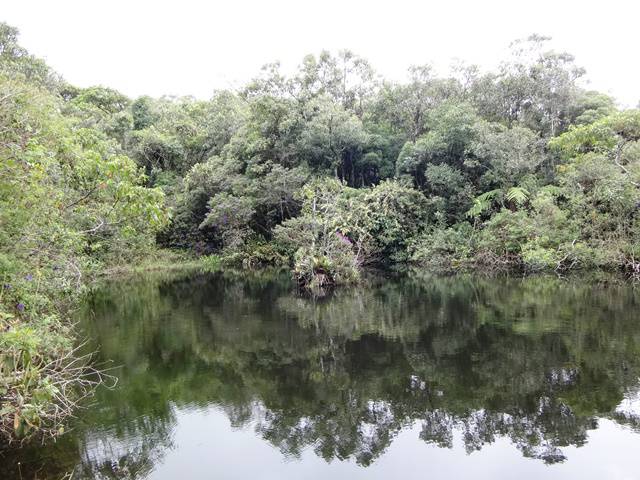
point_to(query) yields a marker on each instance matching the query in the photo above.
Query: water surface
(227, 376)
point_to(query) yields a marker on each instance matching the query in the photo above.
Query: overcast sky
(190, 47)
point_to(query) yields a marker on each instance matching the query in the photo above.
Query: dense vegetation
(331, 168)
(326, 171)
(70, 202)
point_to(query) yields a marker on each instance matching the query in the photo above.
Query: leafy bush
(70, 203)
(444, 248)
(254, 254)
(392, 214)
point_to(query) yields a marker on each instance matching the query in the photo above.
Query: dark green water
(228, 377)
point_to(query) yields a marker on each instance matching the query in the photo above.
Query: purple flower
(20, 307)
(343, 238)
(7, 286)
(28, 277)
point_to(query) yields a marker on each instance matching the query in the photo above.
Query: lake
(237, 376)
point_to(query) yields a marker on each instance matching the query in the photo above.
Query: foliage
(516, 168)
(327, 170)
(328, 241)
(392, 214)
(444, 249)
(70, 202)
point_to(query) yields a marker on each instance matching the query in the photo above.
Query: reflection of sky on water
(205, 444)
(630, 406)
(208, 447)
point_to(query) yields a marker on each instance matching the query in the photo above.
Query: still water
(234, 377)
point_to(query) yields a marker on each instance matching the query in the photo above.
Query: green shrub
(444, 248)
(254, 254)
(336, 264)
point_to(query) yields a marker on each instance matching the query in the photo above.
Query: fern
(482, 203)
(517, 195)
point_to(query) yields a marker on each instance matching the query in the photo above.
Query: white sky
(191, 47)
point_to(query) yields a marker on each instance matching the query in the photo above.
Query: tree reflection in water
(538, 361)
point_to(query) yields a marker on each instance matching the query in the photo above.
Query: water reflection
(537, 361)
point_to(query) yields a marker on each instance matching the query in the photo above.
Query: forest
(326, 172)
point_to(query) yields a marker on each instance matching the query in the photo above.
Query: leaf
(517, 195)
(482, 203)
